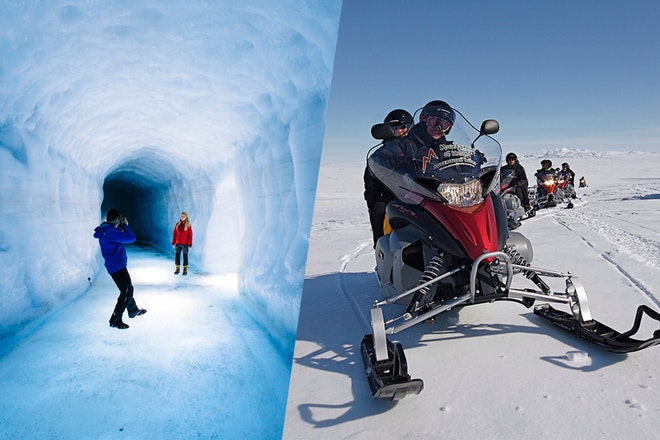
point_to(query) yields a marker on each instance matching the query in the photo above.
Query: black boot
(116, 322)
(119, 324)
(138, 313)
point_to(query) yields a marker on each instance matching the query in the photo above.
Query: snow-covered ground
(195, 366)
(492, 371)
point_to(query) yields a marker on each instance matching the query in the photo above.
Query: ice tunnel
(158, 107)
(151, 191)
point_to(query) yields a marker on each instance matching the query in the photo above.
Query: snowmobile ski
(388, 379)
(601, 335)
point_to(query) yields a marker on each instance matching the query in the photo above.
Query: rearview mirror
(489, 126)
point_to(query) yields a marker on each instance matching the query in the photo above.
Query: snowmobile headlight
(461, 195)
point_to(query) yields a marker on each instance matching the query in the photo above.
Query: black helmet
(399, 117)
(545, 163)
(511, 156)
(565, 165)
(438, 109)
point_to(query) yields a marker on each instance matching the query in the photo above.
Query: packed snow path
(195, 366)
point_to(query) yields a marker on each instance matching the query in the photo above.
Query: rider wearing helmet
(400, 121)
(546, 168)
(519, 182)
(568, 173)
(545, 171)
(376, 194)
(438, 118)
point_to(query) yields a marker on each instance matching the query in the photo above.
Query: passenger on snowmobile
(518, 183)
(376, 194)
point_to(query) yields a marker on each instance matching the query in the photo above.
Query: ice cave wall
(158, 107)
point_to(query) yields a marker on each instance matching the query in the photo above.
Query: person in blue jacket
(113, 234)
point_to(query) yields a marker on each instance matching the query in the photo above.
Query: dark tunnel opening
(134, 197)
(151, 192)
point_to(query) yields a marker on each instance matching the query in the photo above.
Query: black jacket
(520, 177)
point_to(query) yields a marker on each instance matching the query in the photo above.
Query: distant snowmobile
(552, 189)
(564, 184)
(515, 212)
(450, 246)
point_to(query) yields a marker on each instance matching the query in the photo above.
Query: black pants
(125, 301)
(177, 256)
(376, 218)
(521, 192)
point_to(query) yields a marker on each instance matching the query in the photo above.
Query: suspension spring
(434, 269)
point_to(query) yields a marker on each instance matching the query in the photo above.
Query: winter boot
(185, 270)
(176, 272)
(138, 313)
(119, 324)
(116, 322)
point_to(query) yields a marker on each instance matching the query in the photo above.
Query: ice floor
(195, 366)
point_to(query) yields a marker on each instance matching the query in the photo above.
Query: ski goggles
(438, 123)
(398, 126)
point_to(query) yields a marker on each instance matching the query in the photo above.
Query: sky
(555, 74)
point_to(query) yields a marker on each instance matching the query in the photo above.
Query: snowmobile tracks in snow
(643, 250)
(346, 259)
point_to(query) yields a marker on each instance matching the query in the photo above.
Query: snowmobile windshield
(506, 178)
(460, 172)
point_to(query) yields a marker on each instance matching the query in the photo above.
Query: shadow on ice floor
(194, 366)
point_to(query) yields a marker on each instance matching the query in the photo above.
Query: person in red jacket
(182, 240)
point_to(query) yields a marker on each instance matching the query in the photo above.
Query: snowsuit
(519, 182)
(112, 242)
(181, 240)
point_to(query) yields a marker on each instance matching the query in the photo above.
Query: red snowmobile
(552, 188)
(450, 246)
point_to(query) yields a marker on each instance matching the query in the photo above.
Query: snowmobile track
(644, 250)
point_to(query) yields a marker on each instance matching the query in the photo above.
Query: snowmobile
(552, 190)
(515, 212)
(564, 185)
(450, 246)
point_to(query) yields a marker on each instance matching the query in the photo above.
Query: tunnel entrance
(152, 191)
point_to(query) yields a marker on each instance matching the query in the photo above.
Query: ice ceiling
(211, 107)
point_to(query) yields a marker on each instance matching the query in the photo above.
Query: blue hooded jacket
(112, 242)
